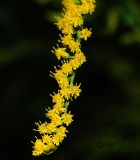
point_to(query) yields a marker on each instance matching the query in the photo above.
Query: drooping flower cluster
(68, 50)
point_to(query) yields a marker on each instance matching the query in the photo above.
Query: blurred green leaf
(43, 1)
(51, 15)
(19, 50)
(112, 21)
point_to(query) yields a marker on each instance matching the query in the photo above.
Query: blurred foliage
(124, 14)
(107, 120)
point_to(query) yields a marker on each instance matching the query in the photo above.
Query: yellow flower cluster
(53, 131)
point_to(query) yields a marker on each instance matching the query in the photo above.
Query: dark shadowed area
(106, 122)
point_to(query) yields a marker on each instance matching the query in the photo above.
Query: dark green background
(107, 114)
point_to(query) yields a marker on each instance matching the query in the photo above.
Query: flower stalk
(68, 51)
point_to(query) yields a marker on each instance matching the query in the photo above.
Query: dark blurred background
(107, 114)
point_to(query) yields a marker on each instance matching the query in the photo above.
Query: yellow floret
(46, 139)
(61, 78)
(74, 46)
(62, 131)
(85, 33)
(65, 40)
(56, 120)
(66, 68)
(57, 98)
(56, 139)
(59, 108)
(78, 60)
(54, 117)
(67, 118)
(50, 127)
(68, 4)
(42, 127)
(87, 6)
(77, 21)
(64, 24)
(75, 91)
(39, 147)
(66, 93)
(60, 52)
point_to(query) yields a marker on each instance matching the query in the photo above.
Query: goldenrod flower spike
(68, 50)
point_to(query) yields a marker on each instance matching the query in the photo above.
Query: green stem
(71, 84)
(72, 79)
(70, 57)
(66, 105)
(77, 2)
(78, 36)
